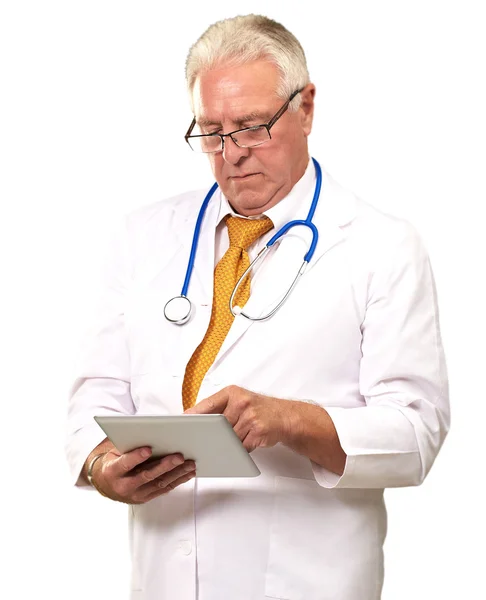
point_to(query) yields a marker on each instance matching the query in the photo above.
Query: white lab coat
(359, 335)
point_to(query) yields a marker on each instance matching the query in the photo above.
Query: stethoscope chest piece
(178, 310)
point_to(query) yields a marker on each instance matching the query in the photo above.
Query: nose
(232, 153)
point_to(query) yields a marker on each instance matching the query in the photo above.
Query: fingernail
(145, 453)
(177, 461)
(190, 467)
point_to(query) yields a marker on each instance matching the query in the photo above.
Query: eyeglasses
(249, 137)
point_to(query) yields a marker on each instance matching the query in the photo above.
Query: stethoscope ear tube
(235, 311)
(315, 235)
(257, 258)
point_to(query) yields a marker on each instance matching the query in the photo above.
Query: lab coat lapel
(336, 208)
(200, 290)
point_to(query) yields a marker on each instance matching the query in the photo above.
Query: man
(340, 394)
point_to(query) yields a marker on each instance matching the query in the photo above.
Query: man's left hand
(259, 421)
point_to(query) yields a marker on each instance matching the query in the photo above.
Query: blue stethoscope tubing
(178, 309)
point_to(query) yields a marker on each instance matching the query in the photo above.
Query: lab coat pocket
(323, 543)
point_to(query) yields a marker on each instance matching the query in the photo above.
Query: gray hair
(243, 39)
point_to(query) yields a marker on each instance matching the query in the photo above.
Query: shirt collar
(286, 209)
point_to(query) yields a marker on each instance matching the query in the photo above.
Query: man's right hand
(135, 479)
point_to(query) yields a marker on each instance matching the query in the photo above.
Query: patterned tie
(242, 233)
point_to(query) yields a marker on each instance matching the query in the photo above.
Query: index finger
(213, 405)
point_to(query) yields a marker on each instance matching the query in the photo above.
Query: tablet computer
(209, 440)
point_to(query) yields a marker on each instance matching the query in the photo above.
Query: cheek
(215, 162)
(274, 162)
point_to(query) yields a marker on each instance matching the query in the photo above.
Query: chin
(249, 203)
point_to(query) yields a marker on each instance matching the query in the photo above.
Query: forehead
(228, 93)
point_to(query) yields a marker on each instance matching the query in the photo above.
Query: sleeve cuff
(80, 445)
(381, 449)
(328, 479)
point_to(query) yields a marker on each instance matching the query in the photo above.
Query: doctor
(340, 394)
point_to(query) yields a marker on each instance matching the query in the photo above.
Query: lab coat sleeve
(394, 439)
(102, 386)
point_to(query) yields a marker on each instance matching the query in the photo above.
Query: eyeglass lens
(246, 138)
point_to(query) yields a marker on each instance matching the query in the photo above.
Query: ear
(306, 108)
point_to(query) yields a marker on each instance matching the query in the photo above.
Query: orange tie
(242, 233)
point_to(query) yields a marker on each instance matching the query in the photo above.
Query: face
(229, 98)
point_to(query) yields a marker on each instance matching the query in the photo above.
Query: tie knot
(243, 232)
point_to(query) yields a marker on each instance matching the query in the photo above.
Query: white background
(93, 112)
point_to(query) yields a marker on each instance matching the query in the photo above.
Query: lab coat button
(185, 547)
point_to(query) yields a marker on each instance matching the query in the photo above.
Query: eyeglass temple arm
(283, 109)
(191, 127)
(269, 125)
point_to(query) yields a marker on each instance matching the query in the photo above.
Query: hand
(133, 479)
(259, 421)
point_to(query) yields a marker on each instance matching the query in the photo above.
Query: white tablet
(209, 440)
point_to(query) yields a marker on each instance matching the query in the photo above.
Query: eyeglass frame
(267, 126)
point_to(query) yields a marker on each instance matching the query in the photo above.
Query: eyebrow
(253, 116)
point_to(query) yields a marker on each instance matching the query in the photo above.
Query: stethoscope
(178, 309)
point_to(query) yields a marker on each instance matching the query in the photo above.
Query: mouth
(244, 177)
